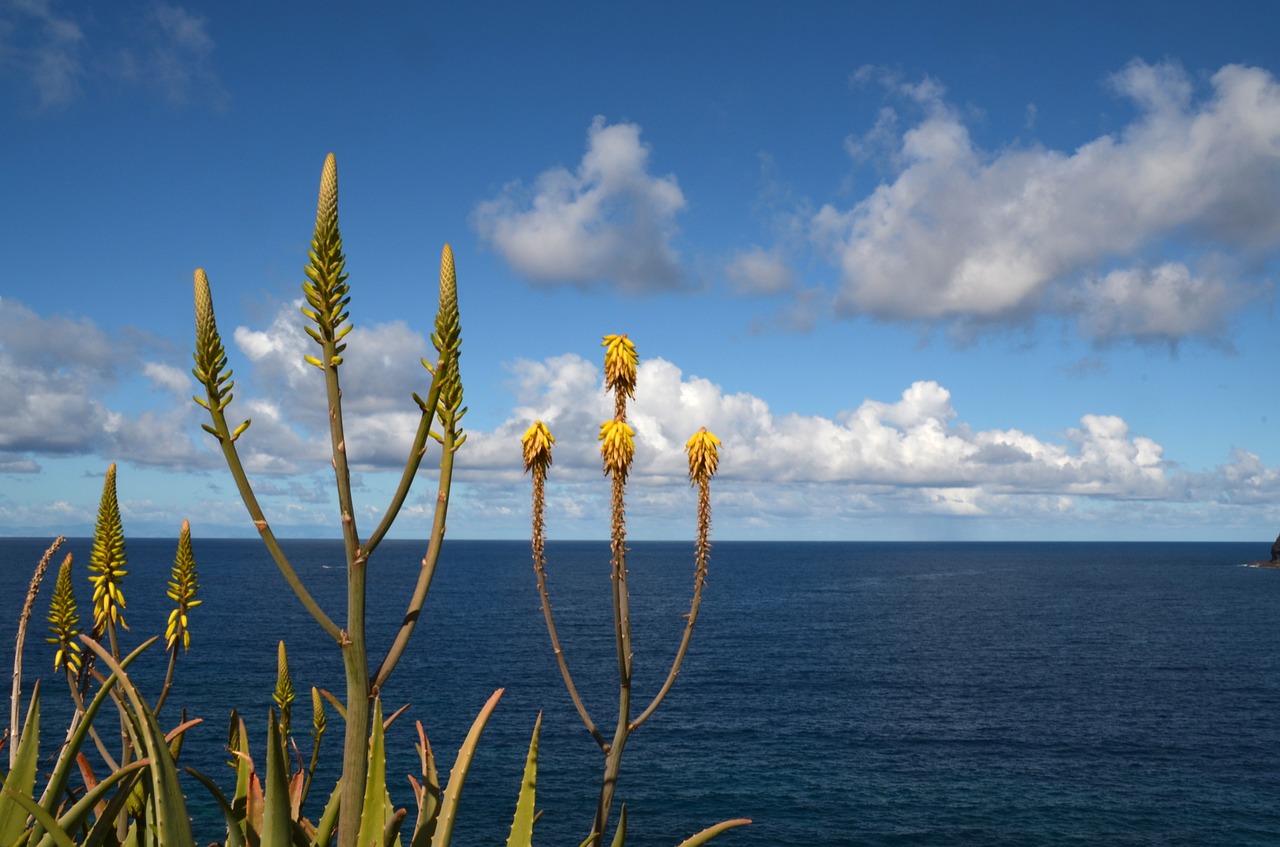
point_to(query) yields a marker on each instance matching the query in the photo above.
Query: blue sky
(935, 271)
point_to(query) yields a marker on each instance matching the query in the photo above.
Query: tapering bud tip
(703, 455)
(620, 361)
(617, 447)
(327, 205)
(537, 441)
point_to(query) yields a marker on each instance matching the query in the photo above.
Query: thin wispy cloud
(60, 55)
(174, 57)
(42, 46)
(607, 222)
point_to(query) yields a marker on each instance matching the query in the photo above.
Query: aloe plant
(328, 295)
(617, 450)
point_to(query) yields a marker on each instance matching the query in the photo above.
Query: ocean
(835, 693)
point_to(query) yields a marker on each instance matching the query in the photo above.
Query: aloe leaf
(373, 815)
(712, 831)
(328, 818)
(171, 821)
(276, 818)
(427, 793)
(522, 823)
(74, 817)
(21, 781)
(458, 776)
(620, 834)
(27, 803)
(235, 835)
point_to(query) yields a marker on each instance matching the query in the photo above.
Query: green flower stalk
(64, 622)
(326, 308)
(183, 585)
(106, 564)
(283, 694)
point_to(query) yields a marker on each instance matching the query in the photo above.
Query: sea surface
(835, 693)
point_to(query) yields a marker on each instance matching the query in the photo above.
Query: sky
(930, 271)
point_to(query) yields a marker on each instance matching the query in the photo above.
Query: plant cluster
(128, 794)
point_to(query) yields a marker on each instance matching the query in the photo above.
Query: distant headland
(1275, 557)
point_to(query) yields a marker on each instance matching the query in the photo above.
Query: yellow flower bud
(620, 361)
(703, 456)
(537, 441)
(617, 447)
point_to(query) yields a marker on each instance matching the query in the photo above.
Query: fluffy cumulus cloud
(609, 221)
(911, 455)
(965, 234)
(286, 397)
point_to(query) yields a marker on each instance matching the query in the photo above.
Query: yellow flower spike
(537, 441)
(107, 559)
(64, 621)
(183, 585)
(620, 361)
(703, 455)
(617, 447)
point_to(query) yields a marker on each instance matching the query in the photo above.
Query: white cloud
(169, 378)
(381, 371)
(912, 442)
(971, 235)
(608, 222)
(1164, 303)
(57, 382)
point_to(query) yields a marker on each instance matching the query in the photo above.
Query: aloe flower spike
(620, 361)
(617, 448)
(537, 441)
(64, 621)
(183, 585)
(107, 561)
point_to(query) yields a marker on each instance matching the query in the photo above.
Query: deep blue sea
(836, 693)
